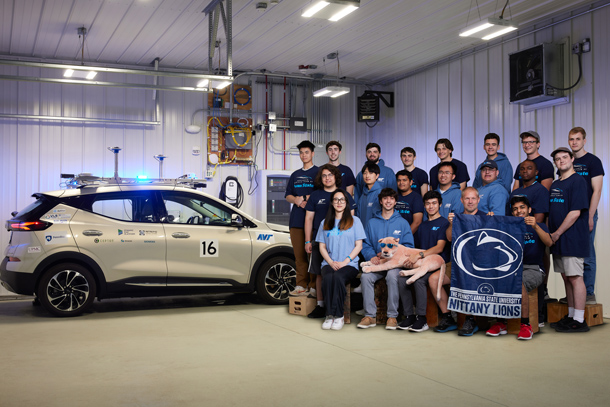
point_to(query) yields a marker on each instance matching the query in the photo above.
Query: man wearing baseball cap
(530, 140)
(492, 193)
(569, 227)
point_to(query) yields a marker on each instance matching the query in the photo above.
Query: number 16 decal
(208, 248)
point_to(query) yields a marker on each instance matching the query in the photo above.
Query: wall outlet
(585, 45)
(209, 173)
(576, 48)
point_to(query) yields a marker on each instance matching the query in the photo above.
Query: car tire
(275, 279)
(66, 290)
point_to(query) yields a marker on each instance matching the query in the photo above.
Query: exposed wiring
(579, 75)
(235, 96)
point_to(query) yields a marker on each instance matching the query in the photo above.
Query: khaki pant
(304, 279)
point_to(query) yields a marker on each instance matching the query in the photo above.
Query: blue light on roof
(142, 177)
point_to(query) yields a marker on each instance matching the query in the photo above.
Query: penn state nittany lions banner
(487, 265)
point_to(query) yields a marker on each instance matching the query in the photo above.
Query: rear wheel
(66, 290)
(275, 279)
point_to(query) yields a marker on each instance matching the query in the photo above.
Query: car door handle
(181, 235)
(92, 232)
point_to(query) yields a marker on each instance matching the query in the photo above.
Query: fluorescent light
(339, 93)
(321, 92)
(220, 85)
(488, 28)
(68, 73)
(499, 33)
(338, 16)
(203, 83)
(314, 9)
(331, 91)
(475, 29)
(71, 73)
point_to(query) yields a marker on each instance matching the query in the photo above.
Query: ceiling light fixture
(333, 91)
(489, 28)
(332, 10)
(86, 73)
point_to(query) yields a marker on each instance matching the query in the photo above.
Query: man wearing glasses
(492, 193)
(530, 140)
(386, 223)
(449, 190)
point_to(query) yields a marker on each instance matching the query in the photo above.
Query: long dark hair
(347, 221)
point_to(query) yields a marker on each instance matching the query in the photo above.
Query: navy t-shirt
(460, 176)
(545, 170)
(300, 184)
(565, 196)
(420, 177)
(407, 205)
(431, 231)
(347, 176)
(536, 193)
(589, 166)
(533, 248)
(319, 202)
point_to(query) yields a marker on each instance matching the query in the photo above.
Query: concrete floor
(234, 351)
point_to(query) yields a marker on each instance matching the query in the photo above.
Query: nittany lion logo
(489, 254)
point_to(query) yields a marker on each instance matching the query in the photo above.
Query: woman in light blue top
(340, 236)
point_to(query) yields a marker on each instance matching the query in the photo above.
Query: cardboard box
(594, 314)
(301, 305)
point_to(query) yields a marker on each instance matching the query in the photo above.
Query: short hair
(578, 130)
(405, 173)
(372, 167)
(490, 136)
(447, 144)
(388, 192)
(334, 143)
(317, 182)
(467, 189)
(432, 195)
(531, 161)
(408, 150)
(371, 145)
(448, 164)
(519, 198)
(306, 144)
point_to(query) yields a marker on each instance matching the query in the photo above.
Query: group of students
(338, 218)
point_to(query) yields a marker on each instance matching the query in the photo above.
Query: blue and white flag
(487, 265)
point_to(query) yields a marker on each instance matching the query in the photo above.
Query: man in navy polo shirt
(333, 151)
(419, 176)
(569, 226)
(530, 140)
(536, 194)
(591, 169)
(409, 203)
(492, 192)
(444, 151)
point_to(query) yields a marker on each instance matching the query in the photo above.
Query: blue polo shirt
(545, 170)
(300, 184)
(420, 177)
(536, 194)
(565, 196)
(589, 166)
(460, 176)
(533, 248)
(347, 176)
(407, 205)
(431, 231)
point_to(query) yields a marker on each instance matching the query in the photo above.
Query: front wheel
(275, 279)
(66, 290)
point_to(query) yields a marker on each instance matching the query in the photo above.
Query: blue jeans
(590, 261)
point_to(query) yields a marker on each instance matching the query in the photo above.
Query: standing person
(333, 151)
(492, 193)
(491, 144)
(419, 176)
(536, 194)
(569, 226)
(449, 190)
(299, 188)
(591, 169)
(530, 140)
(368, 203)
(326, 182)
(340, 237)
(386, 223)
(409, 203)
(444, 151)
(386, 178)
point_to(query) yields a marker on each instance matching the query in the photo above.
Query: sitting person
(536, 238)
(340, 238)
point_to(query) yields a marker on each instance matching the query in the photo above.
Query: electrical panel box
(368, 108)
(532, 70)
(271, 205)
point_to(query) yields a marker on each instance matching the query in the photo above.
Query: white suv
(73, 245)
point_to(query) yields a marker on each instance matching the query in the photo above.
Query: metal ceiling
(382, 41)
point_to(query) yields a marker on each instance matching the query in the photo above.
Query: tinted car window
(193, 209)
(125, 206)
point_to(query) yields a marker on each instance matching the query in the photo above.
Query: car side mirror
(237, 220)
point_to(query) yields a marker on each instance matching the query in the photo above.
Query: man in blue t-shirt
(530, 140)
(591, 169)
(492, 193)
(432, 235)
(333, 151)
(537, 195)
(409, 204)
(386, 178)
(444, 151)
(418, 176)
(491, 144)
(569, 227)
(536, 239)
(449, 189)
(299, 188)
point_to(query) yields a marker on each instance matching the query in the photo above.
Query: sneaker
(358, 289)
(407, 322)
(318, 312)
(563, 300)
(298, 291)
(367, 322)
(525, 333)
(337, 323)
(312, 293)
(420, 324)
(328, 322)
(591, 300)
(497, 329)
(360, 312)
(469, 328)
(447, 324)
(573, 326)
(566, 319)
(540, 324)
(391, 324)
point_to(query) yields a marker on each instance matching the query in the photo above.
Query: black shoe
(563, 321)
(318, 312)
(447, 324)
(573, 326)
(407, 322)
(469, 327)
(420, 324)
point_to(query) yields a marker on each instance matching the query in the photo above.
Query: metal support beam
(76, 119)
(214, 10)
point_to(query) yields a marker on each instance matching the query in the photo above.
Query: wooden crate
(301, 305)
(594, 314)
(514, 325)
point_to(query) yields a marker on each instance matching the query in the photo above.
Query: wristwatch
(421, 254)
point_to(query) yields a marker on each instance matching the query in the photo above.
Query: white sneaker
(298, 291)
(357, 289)
(337, 323)
(328, 322)
(312, 293)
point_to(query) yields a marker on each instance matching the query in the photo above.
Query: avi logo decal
(266, 237)
(488, 254)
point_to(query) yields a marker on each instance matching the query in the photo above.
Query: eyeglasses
(328, 175)
(445, 172)
(529, 142)
(388, 245)
(339, 200)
